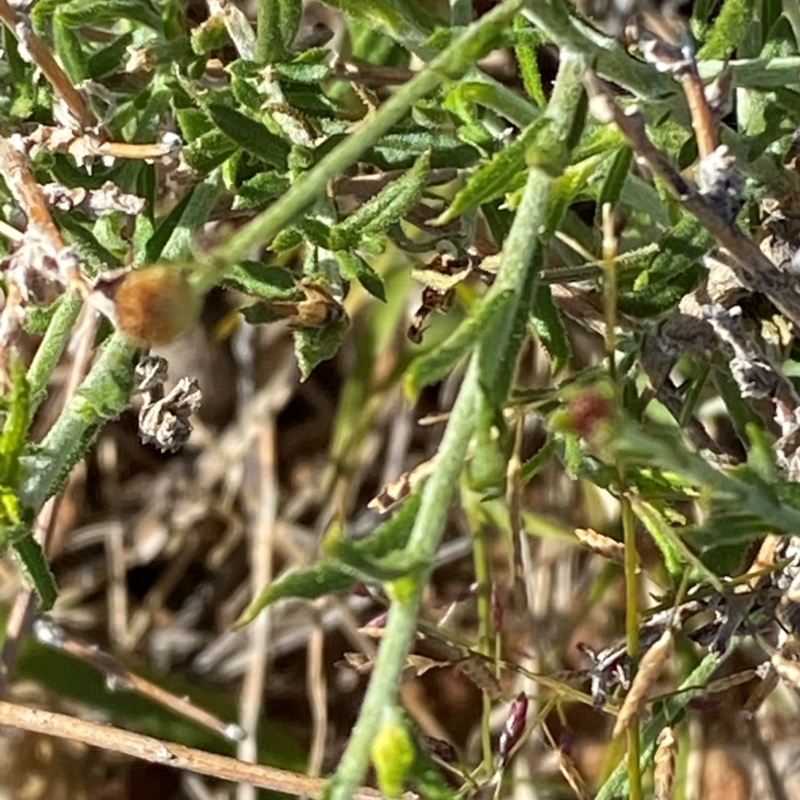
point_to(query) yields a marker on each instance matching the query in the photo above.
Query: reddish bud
(515, 725)
(587, 409)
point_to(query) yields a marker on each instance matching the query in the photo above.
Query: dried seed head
(570, 772)
(515, 725)
(601, 544)
(156, 305)
(650, 668)
(664, 777)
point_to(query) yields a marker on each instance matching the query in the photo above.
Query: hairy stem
(518, 268)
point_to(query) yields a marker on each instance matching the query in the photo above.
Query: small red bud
(515, 725)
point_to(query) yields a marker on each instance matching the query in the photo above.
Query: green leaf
(617, 174)
(353, 267)
(110, 59)
(525, 52)
(36, 570)
(15, 426)
(550, 329)
(388, 207)
(68, 47)
(399, 150)
(392, 753)
(257, 191)
(505, 171)
(728, 30)
(313, 345)
(98, 12)
(208, 151)
(329, 576)
(277, 24)
(260, 280)
(288, 239)
(534, 465)
(252, 136)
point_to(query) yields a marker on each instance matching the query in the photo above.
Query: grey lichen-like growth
(164, 418)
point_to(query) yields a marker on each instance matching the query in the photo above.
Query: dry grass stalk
(168, 754)
(118, 677)
(650, 669)
(571, 775)
(664, 776)
(601, 544)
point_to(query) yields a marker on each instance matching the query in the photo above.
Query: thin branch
(158, 751)
(752, 267)
(41, 56)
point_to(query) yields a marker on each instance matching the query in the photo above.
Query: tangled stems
(516, 276)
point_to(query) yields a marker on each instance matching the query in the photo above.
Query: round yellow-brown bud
(156, 305)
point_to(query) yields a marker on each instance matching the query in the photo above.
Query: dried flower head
(156, 305)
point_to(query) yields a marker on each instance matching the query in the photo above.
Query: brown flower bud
(156, 305)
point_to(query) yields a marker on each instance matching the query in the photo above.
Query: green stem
(402, 623)
(518, 265)
(672, 707)
(452, 62)
(52, 347)
(102, 396)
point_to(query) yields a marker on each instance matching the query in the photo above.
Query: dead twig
(147, 748)
(40, 54)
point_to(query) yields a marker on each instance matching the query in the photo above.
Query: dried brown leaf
(570, 772)
(650, 669)
(601, 544)
(666, 751)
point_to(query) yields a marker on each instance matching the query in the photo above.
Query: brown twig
(147, 748)
(752, 267)
(121, 678)
(26, 190)
(41, 56)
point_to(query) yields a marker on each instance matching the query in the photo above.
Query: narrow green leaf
(550, 329)
(525, 51)
(729, 27)
(96, 12)
(15, 427)
(36, 570)
(208, 151)
(252, 136)
(68, 47)
(313, 345)
(353, 267)
(260, 280)
(257, 191)
(617, 174)
(277, 24)
(329, 576)
(495, 177)
(534, 465)
(392, 753)
(110, 59)
(388, 207)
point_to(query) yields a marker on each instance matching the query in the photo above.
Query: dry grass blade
(168, 754)
(119, 677)
(664, 777)
(601, 544)
(650, 669)
(571, 775)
